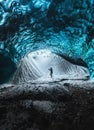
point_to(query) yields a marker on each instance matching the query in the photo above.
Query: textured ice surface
(66, 27)
(35, 66)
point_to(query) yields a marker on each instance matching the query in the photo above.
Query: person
(51, 72)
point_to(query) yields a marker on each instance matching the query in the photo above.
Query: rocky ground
(52, 105)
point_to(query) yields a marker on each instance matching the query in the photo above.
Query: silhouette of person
(51, 72)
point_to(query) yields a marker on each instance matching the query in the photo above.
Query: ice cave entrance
(35, 66)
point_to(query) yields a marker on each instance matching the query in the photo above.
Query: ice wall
(64, 26)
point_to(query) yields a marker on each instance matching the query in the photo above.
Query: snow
(34, 67)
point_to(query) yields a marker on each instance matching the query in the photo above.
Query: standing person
(51, 72)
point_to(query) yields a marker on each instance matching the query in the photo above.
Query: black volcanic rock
(61, 105)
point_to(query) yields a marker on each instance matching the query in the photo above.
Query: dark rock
(65, 105)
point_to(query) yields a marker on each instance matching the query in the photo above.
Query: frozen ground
(47, 104)
(63, 102)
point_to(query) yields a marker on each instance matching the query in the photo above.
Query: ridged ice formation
(36, 65)
(64, 26)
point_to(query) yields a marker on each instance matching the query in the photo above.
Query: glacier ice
(61, 26)
(35, 66)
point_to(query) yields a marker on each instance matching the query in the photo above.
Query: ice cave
(46, 64)
(35, 67)
(30, 25)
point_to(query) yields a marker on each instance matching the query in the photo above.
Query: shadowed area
(57, 105)
(7, 68)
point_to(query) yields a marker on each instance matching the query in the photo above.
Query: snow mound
(35, 67)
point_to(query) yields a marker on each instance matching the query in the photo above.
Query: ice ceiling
(65, 27)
